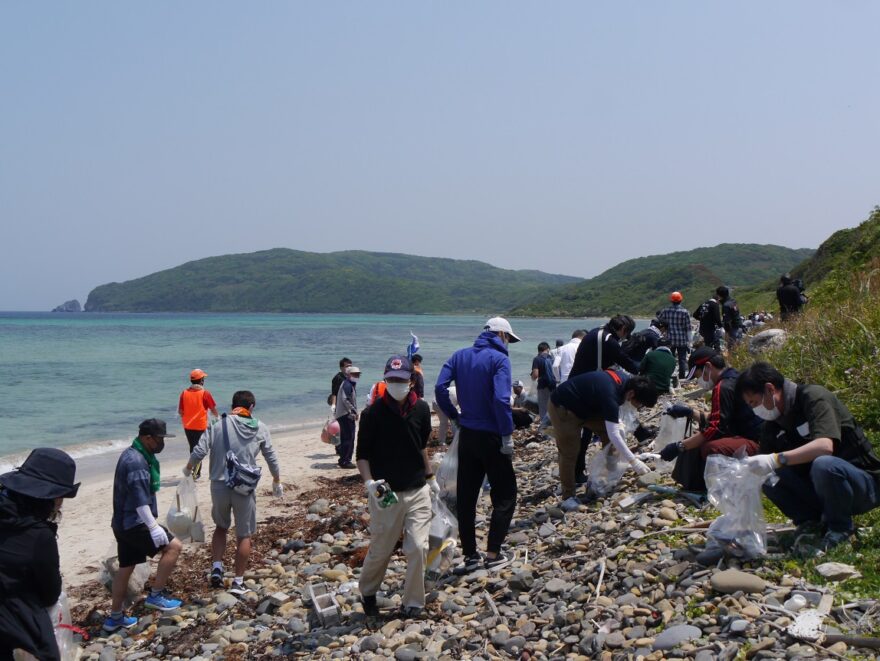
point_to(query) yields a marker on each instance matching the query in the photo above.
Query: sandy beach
(84, 535)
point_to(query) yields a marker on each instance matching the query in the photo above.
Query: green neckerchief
(151, 460)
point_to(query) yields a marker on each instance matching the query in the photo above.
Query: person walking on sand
(485, 447)
(138, 535)
(193, 407)
(235, 439)
(30, 574)
(392, 438)
(347, 415)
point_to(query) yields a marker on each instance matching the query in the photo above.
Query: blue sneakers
(112, 624)
(160, 602)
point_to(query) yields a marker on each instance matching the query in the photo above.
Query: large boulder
(772, 338)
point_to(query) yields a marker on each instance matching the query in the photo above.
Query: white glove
(433, 486)
(506, 445)
(277, 489)
(370, 485)
(639, 466)
(333, 410)
(159, 536)
(187, 471)
(762, 464)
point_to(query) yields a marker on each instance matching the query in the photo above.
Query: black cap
(154, 427)
(47, 474)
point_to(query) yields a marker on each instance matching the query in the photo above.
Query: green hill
(641, 286)
(283, 280)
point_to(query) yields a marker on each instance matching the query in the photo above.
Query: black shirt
(393, 441)
(789, 297)
(587, 357)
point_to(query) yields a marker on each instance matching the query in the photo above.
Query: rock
(615, 639)
(738, 626)
(522, 581)
(837, 648)
(368, 644)
(320, 506)
(555, 585)
(107, 654)
(68, 306)
(238, 635)
(648, 478)
(391, 628)
(772, 338)
(224, 601)
(674, 636)
(668, 514)
(407, 653)
(514, 644)
(837, 571)
(733, 580)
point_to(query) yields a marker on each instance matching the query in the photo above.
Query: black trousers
(479, 455)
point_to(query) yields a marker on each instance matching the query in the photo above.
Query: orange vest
(192, 409)
(378, 392)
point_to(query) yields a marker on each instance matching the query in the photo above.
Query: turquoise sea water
(74, 379)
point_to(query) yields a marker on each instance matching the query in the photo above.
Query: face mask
(398, 391)
(705, 381)
(160, 446)
(354, 379)
(766, 414)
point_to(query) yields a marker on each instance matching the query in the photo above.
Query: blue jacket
(482, 385)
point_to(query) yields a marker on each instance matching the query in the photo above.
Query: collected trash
(447, 473)
(606, 469)
(184, 519)
(741, 530)
(330, 431)
(385, 497)
(672, 430)
(441, 539)
(696, 499)
(324, 604)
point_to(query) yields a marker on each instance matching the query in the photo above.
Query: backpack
(548, 374)
(242, 478)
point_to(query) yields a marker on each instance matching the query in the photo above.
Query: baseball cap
(518, 383)
(352, 369)
(399, 367)
(675, 297)
(154, 427)
(500, 325)
(197, 374)
(699, 358)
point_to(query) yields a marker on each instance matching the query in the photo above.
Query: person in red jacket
(193, 407)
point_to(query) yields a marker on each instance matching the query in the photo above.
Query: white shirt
(565, 359)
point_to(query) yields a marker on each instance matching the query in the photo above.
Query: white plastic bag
(672, 430)
(184, 518)
(441, 539)
(109, 568)
(447, 474)
(605, 470)
(60, 616)
(736, 491)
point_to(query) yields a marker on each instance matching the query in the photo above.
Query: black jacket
(587, 357)
(30, 582)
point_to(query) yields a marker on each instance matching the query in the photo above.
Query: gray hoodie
(247, 437)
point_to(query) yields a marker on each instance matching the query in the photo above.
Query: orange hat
(197, 375)
(675, 297)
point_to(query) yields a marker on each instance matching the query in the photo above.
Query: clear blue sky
(563, 136)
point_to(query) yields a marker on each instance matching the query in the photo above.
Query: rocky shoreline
(602, 582)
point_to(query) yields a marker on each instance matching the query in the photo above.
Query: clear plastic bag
(741, 530)
(184, 518)
(60, 616)
(109, 568)
(441, 539)
(672, 430)
(447, 473)
(605, 470)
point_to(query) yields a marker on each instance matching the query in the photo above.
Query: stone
(837, 648)
(224, 601)
(238, 635)
(837, 571)
(734, 580)
(368, 644)
(555, 585)
(648, 478)
(738, 626)
(668, 514)
(615, 639)
(522, 581)
(674, 636)
(391, 628)
(107, 654)
(407, 653)
(320, 506)
(772, 338)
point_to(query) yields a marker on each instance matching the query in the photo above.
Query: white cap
(352, 369)
(500, 324)
(518, 384)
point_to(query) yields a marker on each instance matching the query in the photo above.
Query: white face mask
(705, 380)
(767, 414)
(354, 378)
(398, 391)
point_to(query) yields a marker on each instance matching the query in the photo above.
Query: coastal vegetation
(282, 280)
(641, 286)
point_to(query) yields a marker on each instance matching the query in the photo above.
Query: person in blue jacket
(485, 448)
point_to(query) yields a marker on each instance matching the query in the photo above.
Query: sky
(565, 136)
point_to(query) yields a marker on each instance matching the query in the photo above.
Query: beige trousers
(567, 428)
(412, 515)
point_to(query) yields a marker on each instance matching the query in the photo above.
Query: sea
(83, 381)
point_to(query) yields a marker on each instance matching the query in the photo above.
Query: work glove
(507, 445)
(370, 485)
(679, 411)
(332, 410)
(277, 490)
(639, 466)
(187, 471)
(762, 464)
(670, 452)
(433, 486)
(159, 536)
